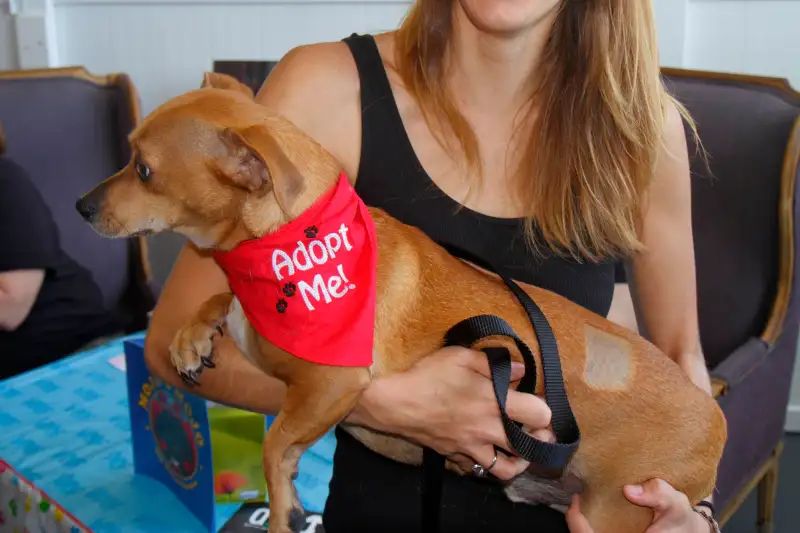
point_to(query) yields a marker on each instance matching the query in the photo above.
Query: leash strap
(552, 456)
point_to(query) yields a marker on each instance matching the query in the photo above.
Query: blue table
(65, 427)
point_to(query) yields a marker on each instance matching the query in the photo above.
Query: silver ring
(480, 471)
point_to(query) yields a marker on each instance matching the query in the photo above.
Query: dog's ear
(254, 161)
(217, 80)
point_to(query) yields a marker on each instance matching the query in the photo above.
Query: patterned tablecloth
(24, 508)
(64, 430)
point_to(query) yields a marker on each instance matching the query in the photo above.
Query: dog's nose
(86, 207)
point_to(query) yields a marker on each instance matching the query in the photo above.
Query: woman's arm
(193, 280)
(662, 277)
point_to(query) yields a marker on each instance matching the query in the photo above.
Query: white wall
(746, 36)
(166, 46)
(671, 21)
(8, 46)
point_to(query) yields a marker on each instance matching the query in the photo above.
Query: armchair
(745, 214)
(69, 130)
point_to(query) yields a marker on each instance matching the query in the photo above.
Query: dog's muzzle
(87, 208)
(89, 204)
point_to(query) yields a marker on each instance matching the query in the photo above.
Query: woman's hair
(600, 109)
(2, 141)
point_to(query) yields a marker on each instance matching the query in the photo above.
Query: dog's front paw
(191, 350)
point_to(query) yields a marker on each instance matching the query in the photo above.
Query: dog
(219, 168)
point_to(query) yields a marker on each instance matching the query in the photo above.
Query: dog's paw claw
(189, 378)
(191, 351)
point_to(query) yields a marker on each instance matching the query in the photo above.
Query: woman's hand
(672, 511)
(446, 402)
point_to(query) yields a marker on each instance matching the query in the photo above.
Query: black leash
(553, 457)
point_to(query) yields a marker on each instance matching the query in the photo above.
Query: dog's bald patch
(609, 360)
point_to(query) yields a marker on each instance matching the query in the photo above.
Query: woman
(501, 124)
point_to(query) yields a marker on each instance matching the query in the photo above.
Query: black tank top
(369, 492)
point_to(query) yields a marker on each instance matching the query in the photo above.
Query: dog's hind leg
(318, 399)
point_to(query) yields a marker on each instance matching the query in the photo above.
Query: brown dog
(219, 168)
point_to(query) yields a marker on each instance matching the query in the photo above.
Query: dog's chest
(240, 330)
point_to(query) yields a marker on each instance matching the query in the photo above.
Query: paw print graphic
(281, 305)
(311, 232)
(289, 289)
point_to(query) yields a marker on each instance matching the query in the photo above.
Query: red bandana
(309, 288)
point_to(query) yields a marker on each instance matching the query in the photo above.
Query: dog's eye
(143, 171)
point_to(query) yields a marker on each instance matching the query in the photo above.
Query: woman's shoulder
(329, 62)
(317, 87)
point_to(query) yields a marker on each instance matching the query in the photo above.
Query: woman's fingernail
(517, 367)
(635, 490)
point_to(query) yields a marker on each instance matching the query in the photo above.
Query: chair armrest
(736, 367)
(718, 387)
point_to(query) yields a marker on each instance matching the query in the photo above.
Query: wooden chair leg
(767, 490)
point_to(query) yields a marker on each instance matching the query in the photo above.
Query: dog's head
(212, 165)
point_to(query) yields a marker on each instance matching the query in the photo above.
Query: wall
(166, 46)
(671, 23)
(746, 36)
(8, 47)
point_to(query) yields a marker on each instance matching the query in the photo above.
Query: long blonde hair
(601, 114)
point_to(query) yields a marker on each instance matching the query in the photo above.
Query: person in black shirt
(49, 305)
